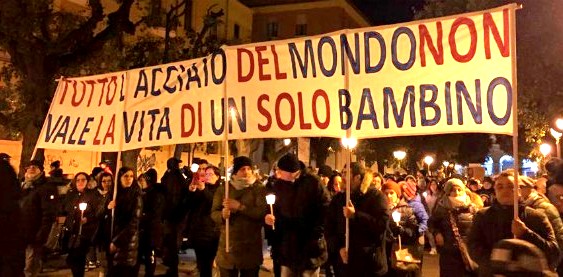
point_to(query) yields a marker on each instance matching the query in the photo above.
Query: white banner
(445, 75)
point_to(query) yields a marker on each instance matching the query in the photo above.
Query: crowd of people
(383, 230)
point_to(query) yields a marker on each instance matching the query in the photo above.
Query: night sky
(388, 11)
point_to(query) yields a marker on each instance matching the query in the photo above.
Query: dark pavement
(57, 267)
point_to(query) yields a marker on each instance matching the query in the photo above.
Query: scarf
(459, 201)
(28, 181)
(242, 183)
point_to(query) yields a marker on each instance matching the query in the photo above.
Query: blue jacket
(420, 213)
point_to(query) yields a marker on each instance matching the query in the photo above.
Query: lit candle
(397, 218)
(271, 200)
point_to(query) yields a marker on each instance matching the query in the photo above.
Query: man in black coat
(12, 247)
(175, 210)
(299, 212)
(368, 214)
(495, 223)
(39, 208)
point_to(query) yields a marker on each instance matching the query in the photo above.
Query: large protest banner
(444, 75)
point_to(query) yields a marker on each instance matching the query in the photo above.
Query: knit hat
(289, 163)
(451, 183)
(37, 163)
(525, 181)
(240, 162)
(325, 170)
(390, 184)
(409, 189)
(173, 163)
(4, 156)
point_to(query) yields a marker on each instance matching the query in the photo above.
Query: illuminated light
(399, 154)
(82, 206)
(428, 160)
(271, 199)
(545, 149)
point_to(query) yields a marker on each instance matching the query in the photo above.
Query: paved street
(188, 267)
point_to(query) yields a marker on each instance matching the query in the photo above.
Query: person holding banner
(369, 215)
(495, 223)
(245, 208)
(299, 213)
(128, 207)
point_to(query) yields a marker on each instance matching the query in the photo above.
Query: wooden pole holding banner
(115, 183)
(514, 108)
(348, 161)
(226, 152)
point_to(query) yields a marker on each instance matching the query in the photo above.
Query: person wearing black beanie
(300, 197)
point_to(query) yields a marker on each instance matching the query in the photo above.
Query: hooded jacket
(245, 227)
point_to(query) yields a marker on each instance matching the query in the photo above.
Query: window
(272, 30)
(236, 31)
(301, 29)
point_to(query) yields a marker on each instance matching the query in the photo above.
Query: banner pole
(348, 161)
(115, 183)
(514, 109)
(226, 152)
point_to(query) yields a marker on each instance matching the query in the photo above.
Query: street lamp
(399, 155)
(545, 149)
(286, 142)
(557, 136)
(559, 124)
(428, 160)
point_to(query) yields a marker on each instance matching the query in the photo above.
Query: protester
(39, 203)
(151, 222)
(12, 244)
(497, 222)
(431, 195)
(377, 181)
(105, 194)
(413, 198)
(202, 230)
(245, 208)
(299, 213)
(406, 228)
(325, 172)
(531, 198)
(175, 210)
(334, 185)
(450, 223)
(487, 193)
(124, 244)
(368, 215)
(81, 225)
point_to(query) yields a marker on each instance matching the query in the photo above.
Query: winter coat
(39, 206)
(407, 227)
(300, 212)
(202, 228)
(245, 226)
(128, 210)
(367, 231)
(451, 261)
(73, 214)
(151, 226)
(540, 203)
(176, 188)
(11, 237)
(492, 224)
(420, 212)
